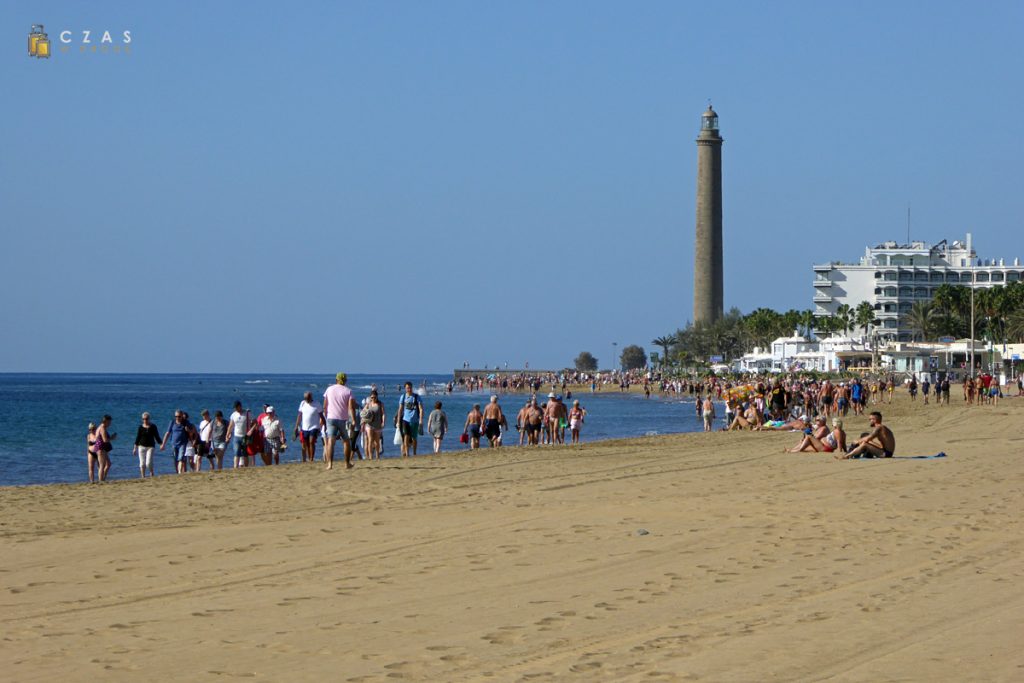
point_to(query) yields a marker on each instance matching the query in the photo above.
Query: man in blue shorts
(857, 396)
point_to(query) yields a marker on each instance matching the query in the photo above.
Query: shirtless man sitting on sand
(880, 442)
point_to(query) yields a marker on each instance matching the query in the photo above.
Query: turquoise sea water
(43, 417)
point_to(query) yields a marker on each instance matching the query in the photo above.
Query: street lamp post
(615, 354)
(973, 281)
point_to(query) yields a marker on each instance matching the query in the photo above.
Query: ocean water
(44, 417)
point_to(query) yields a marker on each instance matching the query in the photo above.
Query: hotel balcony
(822, 298)
(822, 282)
(822, 267)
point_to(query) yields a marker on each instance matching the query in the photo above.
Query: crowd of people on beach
(817, 408)
(358, 426)
(790, 402)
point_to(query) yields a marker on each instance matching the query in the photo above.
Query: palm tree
(864, 317)
(844, 315)
(826, 324)
(807, 322)
(1015, 325)
(762, 325)
(666, 343)
(919, 319)
(946, 298)
(791, 321)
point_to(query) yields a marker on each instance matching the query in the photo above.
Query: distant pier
(498, 373)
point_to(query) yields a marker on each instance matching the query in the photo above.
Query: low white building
(785, 351)
(891, 277)
(757, 361)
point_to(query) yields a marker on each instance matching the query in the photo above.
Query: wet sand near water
(534, 565)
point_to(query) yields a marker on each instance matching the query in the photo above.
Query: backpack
(416, 402)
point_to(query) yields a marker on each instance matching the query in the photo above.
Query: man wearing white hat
(273, 437)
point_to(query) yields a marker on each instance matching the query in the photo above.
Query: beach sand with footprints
(693, 557)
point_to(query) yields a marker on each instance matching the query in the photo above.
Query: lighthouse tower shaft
(708, 289)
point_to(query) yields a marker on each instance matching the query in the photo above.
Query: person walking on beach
(409, 419)
(857, 396)
(826, 398)
(492, 422)
(437, 425)
(339, 406)
(254, 442)
(239, 422)
(474, 420)
(145, 441)
(90, 450)
(192, 458)
(576, 416)
(307, 425)
(521, 422)
(218, 440)
(178, 434)
(553, 419)
(104, 444)
(880, 442)
(532, 423)
(204, 446)
(708, 413)
(372, 416)
(273, 437)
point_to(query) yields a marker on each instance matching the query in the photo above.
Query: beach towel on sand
(909, 457)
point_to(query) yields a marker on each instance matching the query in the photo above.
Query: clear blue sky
(402, 186)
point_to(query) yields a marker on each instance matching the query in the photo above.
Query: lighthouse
(707, 252)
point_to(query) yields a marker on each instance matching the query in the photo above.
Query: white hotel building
(891, 277)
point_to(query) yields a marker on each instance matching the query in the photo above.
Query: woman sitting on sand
(821, 440)
(749, 419)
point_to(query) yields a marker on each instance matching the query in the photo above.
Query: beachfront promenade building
(857, 355)
(891, 277)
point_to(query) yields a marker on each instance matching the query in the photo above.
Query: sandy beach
(694, 557)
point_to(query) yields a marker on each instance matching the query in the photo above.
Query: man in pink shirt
(339, 409)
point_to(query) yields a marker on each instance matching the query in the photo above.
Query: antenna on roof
(908, 224)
